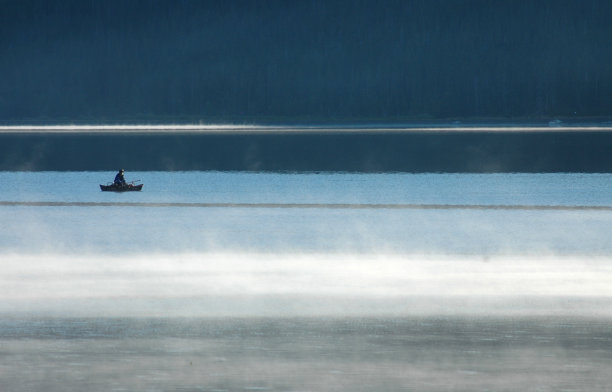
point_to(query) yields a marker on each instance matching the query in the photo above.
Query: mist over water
(345, 291)
(284, 242)
(293, 285)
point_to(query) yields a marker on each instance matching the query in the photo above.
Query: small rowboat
(121, 188)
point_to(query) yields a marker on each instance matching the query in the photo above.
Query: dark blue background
(375, 151)
(303, 62)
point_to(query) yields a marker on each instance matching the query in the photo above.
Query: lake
(307, 281)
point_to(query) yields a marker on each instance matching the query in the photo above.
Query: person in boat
(119, 179)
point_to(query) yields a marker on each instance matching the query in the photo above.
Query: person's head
(121, 171)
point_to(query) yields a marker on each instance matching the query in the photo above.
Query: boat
(121, 188)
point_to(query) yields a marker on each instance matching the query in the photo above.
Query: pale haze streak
(497, 285)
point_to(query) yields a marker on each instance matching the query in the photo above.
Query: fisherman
(119, 179)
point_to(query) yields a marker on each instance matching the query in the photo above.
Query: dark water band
(306, 151)
(306, 205)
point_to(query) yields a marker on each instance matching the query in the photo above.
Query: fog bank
(239, 284)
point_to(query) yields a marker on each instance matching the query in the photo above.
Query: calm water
(420, 354)
(173, 297)
(485, 189)
(77, 229)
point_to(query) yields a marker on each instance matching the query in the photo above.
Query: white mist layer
(238, 284)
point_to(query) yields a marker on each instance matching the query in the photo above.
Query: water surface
(105, 291)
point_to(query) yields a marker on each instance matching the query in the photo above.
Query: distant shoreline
(295, 129)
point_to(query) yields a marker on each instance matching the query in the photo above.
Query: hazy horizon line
(348, 128)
